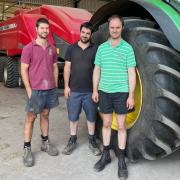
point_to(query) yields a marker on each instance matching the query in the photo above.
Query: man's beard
(85, 41)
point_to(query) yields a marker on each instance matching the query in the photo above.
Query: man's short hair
(41, 20)
(116, 16)
(87, 25)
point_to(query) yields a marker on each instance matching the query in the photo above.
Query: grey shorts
(42, 99)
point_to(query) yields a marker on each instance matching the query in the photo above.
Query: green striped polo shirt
(114, 64)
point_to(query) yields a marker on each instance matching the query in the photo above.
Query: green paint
(167, 9)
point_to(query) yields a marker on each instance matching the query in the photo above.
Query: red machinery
(19, 30)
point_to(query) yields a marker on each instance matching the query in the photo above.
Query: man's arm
(67, 72)
(56, 74)
(132, 86)
(96, 77)
(25, 78)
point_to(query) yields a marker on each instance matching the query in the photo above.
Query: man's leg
(91, 127)
(122, 132)
(74, 106)
(93, 146)
(44, 122)
(73, 127)
(106, 133)
(73, 130)
(90, 110)
(28, 130)
(122, 136)
(72, 143)
(106, 130)
(106, 109)
(28, 126)
(119, 101)
(44, 125)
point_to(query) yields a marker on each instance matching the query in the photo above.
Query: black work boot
(122, 168)
(104, 160)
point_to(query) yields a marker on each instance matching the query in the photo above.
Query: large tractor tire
(10, 72)
(20, 81)
(154, 131)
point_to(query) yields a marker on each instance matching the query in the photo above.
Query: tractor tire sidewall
(2, 59)
(11, 66)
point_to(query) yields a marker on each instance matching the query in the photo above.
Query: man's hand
(25, 78)
(96, 77)
(95, 97)
(29, 92)
(67, 92)
(132, 85)
(130, 102)
(56, 73)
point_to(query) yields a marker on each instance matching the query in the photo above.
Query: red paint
(64, 22)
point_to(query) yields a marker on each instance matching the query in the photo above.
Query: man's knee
(121, 122)
(106, 124)
(30, 117)
(45, 114)
(121, 128)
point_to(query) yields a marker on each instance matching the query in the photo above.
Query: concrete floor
(79, 165)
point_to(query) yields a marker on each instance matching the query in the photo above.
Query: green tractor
(152, 27)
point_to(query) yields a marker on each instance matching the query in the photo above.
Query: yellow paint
(132, 117)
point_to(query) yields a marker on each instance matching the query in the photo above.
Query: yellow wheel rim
(132, 117)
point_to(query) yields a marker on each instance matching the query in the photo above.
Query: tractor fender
(166, 17)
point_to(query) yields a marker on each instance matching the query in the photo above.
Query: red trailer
(19, 30)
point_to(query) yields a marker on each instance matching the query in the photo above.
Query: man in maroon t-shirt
(39, 72)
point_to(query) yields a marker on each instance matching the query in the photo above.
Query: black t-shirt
(82, 65)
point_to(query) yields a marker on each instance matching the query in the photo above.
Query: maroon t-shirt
(41, 70)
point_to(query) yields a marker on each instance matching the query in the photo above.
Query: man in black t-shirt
(78, 72)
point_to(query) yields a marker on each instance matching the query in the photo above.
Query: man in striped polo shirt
(114, 81)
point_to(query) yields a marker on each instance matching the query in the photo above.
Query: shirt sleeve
(55, 56)
(131, 62)
(26, 55)
(98, 58)
(68, 54)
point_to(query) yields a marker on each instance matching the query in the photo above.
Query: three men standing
(112, 84)
(114, 81)
(39, 72)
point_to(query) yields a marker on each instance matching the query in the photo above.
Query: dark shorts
(78, 101)
(42, 99)
(109, 102)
